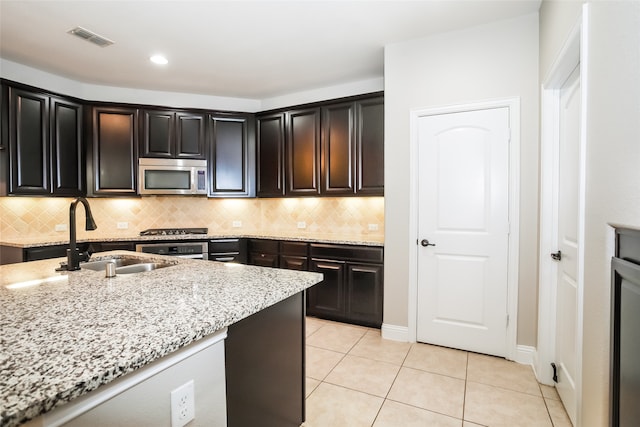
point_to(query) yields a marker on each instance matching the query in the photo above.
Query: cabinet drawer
(224, 245)
(266, 246)
(292, 262)
(263, 260)
(294, 248)
(350, 253)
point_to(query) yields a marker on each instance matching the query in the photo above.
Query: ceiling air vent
(90, 36)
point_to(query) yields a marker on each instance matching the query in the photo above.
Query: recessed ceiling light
(159, 59)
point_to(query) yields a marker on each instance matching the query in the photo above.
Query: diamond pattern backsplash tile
(31, 217)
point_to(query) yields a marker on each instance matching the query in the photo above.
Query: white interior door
(463, 218)
(568, 214)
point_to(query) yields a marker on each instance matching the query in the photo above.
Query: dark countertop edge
(49, 241)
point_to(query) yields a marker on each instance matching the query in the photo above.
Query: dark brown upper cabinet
(231, 158)
(112, 162)
(270, 155)
(338, 149)
(67, 153)
(353, 148)
(45, 144)
(303, 152)
(172, 134)
(370, 146)
(334, 149)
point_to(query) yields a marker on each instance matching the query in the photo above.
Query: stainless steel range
(173, 231)
(193, 249)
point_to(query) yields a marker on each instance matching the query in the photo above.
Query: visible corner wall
(498, 60)
(612, 62)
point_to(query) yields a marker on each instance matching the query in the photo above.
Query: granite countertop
(63, 239)
(75, 331)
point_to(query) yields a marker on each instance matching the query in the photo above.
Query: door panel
(464, 212)
(568, 240)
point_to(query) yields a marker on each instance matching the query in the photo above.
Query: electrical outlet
(182, 405)
(237, 224)
(61, 227)
(302, 224)
(122, 225)
(373, 227)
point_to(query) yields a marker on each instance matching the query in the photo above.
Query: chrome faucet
(74, 256)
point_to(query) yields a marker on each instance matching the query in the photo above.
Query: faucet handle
(84, 256)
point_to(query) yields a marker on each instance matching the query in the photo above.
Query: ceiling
(241, 49)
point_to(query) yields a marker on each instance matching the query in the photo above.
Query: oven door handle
(191, 256)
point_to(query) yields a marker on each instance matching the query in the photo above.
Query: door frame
(572, 54)
(513, 104)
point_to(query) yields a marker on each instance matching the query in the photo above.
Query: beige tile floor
(356, 378)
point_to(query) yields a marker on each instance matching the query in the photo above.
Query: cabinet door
(230, 159)
(370, 147)
(303, 152)
(338, 149)
(114, 151)
(29, 143)
(190, 136)
(327, 298)
(265, 367)
(270, 156)
(67, 153)
(364, 294)
(158, 134)
(4, 141)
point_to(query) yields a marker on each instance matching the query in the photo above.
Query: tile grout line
(386, 396)
(464, 395)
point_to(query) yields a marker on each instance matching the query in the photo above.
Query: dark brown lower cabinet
(11, 254)
(264, 252)
(327, 299)
(265, 367)
(364, 294)
(282, 254)
(352, 291)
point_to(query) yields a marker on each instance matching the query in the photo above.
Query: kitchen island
(64, 335)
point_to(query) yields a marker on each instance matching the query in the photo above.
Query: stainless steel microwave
(172, 176)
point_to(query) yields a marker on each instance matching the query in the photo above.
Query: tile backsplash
(35, 217)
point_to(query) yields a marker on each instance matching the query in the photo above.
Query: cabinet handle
(557, 256)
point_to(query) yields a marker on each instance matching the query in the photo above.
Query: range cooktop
(173, 231)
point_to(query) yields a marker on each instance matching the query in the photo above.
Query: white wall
(612, 179)
(498, 60)
(89, 92)
(612, 164)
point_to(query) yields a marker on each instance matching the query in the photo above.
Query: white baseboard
(525, 355)
(395, 333)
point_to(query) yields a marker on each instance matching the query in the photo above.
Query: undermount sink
(123, 265)
(138, 268)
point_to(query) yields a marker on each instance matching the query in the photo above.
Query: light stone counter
(63, 239)
(63, 334)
